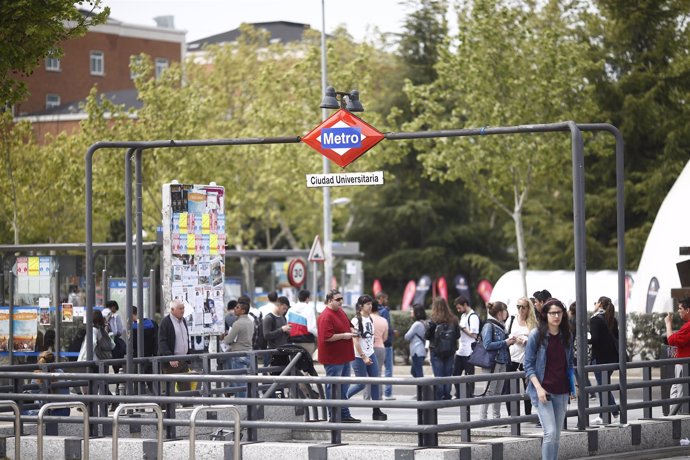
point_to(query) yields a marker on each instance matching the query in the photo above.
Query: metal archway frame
(577, 148)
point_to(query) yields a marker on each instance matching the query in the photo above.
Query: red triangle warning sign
(316, 253)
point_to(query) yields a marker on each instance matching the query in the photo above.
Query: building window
(52, 100)
(97, 64)
(161, 65)
(134, 61)
(52, 63)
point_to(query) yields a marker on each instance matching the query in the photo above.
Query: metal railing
(236, 448)
(116, 419)
(61, 405)
(217, 384)
(17, 427)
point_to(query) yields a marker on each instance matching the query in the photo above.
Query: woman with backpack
(494, 338)
(365, 363)
(443, 334)
(415, 335)
(549, 370)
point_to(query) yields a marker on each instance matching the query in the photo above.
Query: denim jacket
(496, 341)
(535, 363)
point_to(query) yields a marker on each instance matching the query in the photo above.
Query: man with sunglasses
(681, 341)
(336, 350)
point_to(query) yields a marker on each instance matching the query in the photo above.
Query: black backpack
(258, 340)
(445, 340)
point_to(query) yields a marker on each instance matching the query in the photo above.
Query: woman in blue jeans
(443, 334)
(549, 370)
(365, 363)
(415, 335)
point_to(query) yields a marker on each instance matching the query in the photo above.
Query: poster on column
(194, 254)
(25, 329)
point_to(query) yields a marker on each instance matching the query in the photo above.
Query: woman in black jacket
(604, 330)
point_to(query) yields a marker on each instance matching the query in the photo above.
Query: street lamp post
(327, 222)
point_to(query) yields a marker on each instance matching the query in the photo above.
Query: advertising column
(194, 256)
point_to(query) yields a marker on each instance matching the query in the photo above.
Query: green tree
(643, 89)
(535, 75)
(30, 31)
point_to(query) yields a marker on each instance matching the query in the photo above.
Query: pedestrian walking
(415, 335)
(680, 340)
(603, 327)
(336, 350)
(549, 370)
(494, 338)
(469, 333)
(519, 327)
(443, 335)
(365, 363)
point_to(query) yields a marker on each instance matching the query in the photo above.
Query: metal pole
(152, 298)
(327, 223)
(104, 286)
(129, 366)
(58, 327)
(10, 342)
(140, 262)
(580, 264)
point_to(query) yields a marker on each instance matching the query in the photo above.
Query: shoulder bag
(481, 357)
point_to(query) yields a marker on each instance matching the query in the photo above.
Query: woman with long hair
(415, 335)
(365, 363)
(520, 326)
(495, 339)
(380, 336)
(603, 327)
(549, 370)
(443, 334)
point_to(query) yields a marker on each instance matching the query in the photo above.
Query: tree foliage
(30, 31)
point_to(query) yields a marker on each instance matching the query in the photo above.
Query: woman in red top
(681, 341)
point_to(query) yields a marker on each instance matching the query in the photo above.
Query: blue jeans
(388, 371)
(442, 367)
(611, 399)
(239, 362)
(338, 370)
(363, 370)
(551, 415)
(417, 369)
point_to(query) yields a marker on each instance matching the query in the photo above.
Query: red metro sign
(343, 137)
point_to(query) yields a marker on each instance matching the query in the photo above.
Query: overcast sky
(201, 18)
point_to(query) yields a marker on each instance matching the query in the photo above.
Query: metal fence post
(429, 417)
(647, 391)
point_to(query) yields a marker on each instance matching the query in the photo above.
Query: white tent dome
(560, 283)
(670, 231)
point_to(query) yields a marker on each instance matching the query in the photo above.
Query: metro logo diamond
(343, 138)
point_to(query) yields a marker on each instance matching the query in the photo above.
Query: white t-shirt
(366, 339)
(466, 340)
(517, 350)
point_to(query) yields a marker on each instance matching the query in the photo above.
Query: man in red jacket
(680, 340)
(336, 350)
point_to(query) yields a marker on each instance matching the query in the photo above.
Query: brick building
(101, 58)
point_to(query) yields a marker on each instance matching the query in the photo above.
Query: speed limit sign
(297, 272)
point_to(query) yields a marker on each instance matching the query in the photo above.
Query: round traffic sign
(297, 272)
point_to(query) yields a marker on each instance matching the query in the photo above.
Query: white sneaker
(597, 421)
(389, 398)
(615, 420)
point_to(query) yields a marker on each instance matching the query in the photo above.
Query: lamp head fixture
(348, 101)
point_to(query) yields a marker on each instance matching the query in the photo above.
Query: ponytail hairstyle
(609, 312)
(363, 299)
(496, 307)
(563, 328)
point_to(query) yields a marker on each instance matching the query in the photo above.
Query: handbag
(481, 357)
(104, 345)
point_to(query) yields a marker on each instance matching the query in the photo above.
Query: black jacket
(166, 337)
(604, 344)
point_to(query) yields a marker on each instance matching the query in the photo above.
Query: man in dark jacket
(173, 340)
